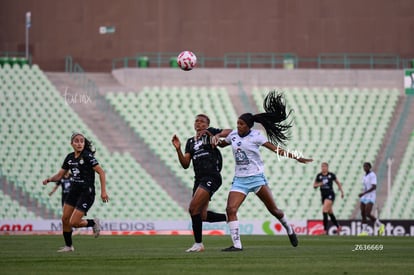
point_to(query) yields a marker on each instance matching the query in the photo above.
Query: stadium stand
(36, 124)
(11, 209)
(400, 202)
(341, 126)
(365, 108)
(156, 113)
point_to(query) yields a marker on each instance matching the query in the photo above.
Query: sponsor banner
(131, 227)
(117, 233)
(258, 227)
(354, 227)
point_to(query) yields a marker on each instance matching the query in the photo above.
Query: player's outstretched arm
(57, 177)
(280, 151)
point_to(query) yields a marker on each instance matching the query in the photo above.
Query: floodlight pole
(28, 23)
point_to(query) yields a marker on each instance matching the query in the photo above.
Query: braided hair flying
(273, 119)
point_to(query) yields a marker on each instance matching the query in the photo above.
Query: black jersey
(206, 159)
(327, 181)
(81, 169)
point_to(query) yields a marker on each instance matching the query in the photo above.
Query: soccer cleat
(66, 249)
(293, 239)
(232, 249)
(197, 247)
(363, 233)
(96, 228)
(381, 230)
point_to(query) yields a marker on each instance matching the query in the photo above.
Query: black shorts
(210, 183)
(81, 198)
(64, 196)
(328, 196)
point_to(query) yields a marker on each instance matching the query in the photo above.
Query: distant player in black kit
(207, 163)
(324, 180)
(65, 183)
(82, 165)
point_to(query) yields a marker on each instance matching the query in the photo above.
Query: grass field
(165, 255)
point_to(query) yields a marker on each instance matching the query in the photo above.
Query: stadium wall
(306, 28)
(136, 78)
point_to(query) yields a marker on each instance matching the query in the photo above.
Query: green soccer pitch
(165, 255)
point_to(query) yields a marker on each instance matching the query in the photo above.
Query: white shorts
(249, 184)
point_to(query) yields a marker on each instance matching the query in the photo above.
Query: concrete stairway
(115, 134)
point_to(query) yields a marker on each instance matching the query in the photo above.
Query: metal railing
(357, 60)
(152, 59)
(272, 60)
(78, 74)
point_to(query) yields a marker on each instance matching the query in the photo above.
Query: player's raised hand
(176, 142)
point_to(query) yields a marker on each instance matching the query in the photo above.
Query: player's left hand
(104, 197)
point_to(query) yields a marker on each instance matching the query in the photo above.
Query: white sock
(235, 234)
(285, 224)
(378, 222)
(364, 227)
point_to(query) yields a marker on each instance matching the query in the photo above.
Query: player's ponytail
(89, 146)
(273, 119)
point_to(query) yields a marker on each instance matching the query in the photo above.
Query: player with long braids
(249, 168)
(82, 165)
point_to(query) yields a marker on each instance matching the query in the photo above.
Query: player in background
(82, 165)
(324, 180)
(207, 164)
(65, 183)
(367, 200)
(249, 170)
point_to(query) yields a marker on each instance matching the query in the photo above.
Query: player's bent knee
(75, 224)
(231, 211)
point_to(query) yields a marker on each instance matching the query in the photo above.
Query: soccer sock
(364, 227)
(285, 224)
(68, 238)
(90, 223)
(235, 234)
(215, 217)
(325, 221)
(333, 219)
(378, 222)
(197, 228)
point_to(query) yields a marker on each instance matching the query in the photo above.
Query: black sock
(333, 219)
(197, 227)
(215, 217)
(68, 238)
(90, 223)
(325, 221)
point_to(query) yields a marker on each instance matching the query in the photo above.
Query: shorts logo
(85, 205)
(208, 183)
